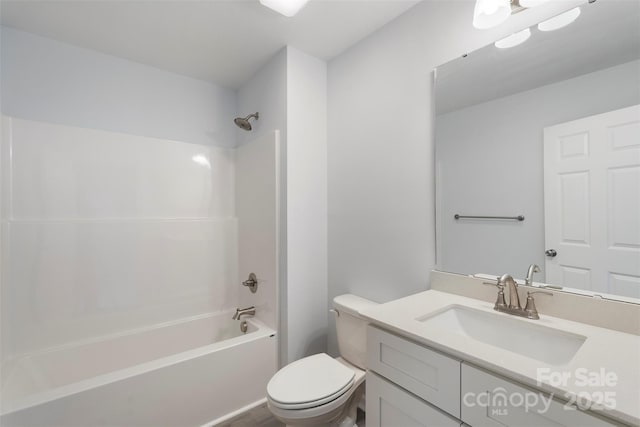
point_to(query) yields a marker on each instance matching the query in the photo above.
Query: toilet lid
(309, 382)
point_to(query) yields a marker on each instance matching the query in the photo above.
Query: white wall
(307, 314)
(54, 82)
(493, 165)
(290, 94)
(380, 149)
(266, 93)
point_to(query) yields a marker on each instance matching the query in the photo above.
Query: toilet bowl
(319, 390)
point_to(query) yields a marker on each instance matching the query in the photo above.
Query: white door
(592, 202)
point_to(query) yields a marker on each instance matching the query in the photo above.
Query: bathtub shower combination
(183, 373)
(120, 277)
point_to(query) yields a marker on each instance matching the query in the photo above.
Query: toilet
(319, 390)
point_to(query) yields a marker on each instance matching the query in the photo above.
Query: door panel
(592, 202)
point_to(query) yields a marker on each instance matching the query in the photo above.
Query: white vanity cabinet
(430, 375)
(411, 385)
(390, 405)
(505, 403)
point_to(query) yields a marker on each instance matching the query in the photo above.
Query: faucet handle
(530, 307)
(251, 283)
(500, 301)
(497, 283)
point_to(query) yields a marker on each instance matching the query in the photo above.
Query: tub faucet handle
(251, 283)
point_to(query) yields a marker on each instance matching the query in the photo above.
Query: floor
(261, 417)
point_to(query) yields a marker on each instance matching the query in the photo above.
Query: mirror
(549, 131)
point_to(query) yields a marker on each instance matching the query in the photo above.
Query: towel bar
(515, 218)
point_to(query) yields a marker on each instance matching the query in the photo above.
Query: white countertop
(604, 349)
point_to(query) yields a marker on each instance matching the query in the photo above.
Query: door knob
(551, 253)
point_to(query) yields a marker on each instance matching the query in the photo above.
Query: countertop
(604, 352)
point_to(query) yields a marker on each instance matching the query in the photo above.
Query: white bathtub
(193, 372)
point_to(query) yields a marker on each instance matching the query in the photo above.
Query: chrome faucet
(249, 311)
(533, 268)
(514, 307)
(512, 286)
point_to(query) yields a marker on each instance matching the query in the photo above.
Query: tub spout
(249, 311)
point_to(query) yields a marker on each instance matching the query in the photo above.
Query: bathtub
(192, 372)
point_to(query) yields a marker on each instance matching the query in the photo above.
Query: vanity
(537, 151)
(440, 359)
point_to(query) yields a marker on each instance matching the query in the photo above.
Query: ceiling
(222, 41)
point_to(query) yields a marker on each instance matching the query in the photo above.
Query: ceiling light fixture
(490, 13)
(514, 39)
(287, 8)
(560, 21)
(531, 3)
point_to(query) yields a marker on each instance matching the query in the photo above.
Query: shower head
(243, 122)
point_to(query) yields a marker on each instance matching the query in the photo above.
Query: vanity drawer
(489, 400)
(426, 373)
(390, 406)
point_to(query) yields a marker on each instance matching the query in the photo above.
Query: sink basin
(552, 346)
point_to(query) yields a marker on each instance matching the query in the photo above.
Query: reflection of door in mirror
(592, 202)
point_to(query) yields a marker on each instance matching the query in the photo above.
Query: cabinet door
(390, 406)
(430, 375)
(488, 400)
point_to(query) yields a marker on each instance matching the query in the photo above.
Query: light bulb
(489, 8)
(531, 3)
(490, 13)
(514, 39)
(560, 21)
(287, 8)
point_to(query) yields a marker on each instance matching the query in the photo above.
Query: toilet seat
(313, 403)
(310, 382)
(323, 412)
(326, 411)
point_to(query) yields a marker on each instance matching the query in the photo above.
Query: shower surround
(111, 239)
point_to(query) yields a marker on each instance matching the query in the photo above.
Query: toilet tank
(351, 329)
